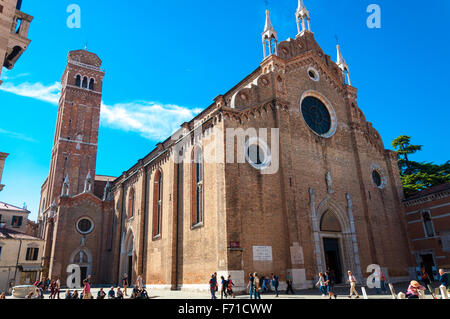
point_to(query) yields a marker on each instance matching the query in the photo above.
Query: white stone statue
(329, 183)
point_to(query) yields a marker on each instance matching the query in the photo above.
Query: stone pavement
(341, 291)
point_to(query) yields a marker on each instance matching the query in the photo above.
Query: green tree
(417, 176)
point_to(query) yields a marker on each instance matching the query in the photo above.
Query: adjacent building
(428, 217)
(20, 253)
(14, 26)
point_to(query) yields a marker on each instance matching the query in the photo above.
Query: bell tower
(74, 150)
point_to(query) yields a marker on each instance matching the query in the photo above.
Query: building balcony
(18, 40)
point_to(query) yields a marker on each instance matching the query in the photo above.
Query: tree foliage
(417, 176)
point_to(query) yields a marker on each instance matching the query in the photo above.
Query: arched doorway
(83, 259)
(331, 235)
(129, 256)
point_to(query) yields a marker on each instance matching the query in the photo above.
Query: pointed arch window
(91, 84)
(131, 203)
(157, 204)
(85, 83)
(428, 224)
(78, 81)
(197, 187)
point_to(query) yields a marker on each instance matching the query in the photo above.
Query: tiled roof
(6, 233)
(428, 191)
(9, 207)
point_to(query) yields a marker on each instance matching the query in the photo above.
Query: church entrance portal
(333, 257)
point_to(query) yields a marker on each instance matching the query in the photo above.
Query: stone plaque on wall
(262, 253)
(297, 254)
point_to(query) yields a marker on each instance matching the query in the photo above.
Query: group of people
(42, 286)
(257, 285)
(415, 288)
(226, 288)
(326, 282)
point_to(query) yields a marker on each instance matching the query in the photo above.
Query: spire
(302, 16)
(269, 37)
(342, 64)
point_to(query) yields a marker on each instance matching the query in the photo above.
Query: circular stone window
(257, 153)
(313, 74)
(85, 226)
(320, 119)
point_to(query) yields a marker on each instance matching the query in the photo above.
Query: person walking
(86, 290)
(275, 284)
(224, 287)
(352, 280)
(58, 287)
(52, 289)
(125, 283)
(321, 284)
(329, 284)
(250, 284)
(217, 284)
(289, 284)
(230, 287)
(212, 286)
(263, 282)
(257, 286)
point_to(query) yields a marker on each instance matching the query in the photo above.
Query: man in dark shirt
(443, 278)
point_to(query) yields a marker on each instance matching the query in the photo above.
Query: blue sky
(164, 61)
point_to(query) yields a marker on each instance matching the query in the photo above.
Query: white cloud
(16, 135)
(37, 91)
(154, 121)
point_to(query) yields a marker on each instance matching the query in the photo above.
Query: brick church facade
(280, 174)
